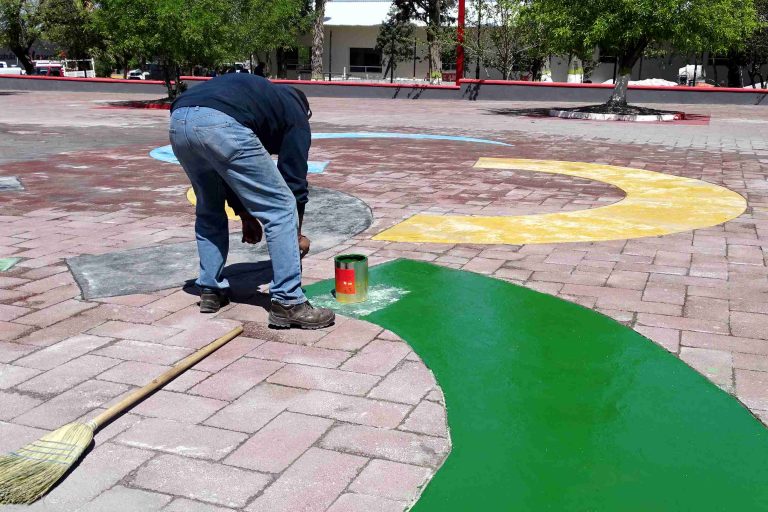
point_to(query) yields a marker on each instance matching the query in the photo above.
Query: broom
(29, 472)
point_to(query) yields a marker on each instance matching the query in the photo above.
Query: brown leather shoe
(303, 316)
(212, 300)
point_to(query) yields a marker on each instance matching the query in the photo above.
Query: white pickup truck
(5, 69)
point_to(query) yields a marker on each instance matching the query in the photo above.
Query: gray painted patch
(331, 218)
(10, 183)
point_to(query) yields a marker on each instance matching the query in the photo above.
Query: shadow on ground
(245, 280)
(519, 112)
(690, 119)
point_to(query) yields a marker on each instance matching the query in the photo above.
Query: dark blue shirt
(277, 114)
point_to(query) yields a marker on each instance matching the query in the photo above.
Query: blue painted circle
(394, 135)
(165, 153)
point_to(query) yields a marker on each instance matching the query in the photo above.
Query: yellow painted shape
(230, 212)
(655, 204)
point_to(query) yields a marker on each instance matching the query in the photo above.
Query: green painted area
(8, 263)
(553, 407)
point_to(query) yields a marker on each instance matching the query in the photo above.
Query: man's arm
(292, 164)
(233, 201)
(252, 231)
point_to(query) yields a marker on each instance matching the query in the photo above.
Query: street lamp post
(460, 47)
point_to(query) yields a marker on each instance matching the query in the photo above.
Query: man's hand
(252, 230)
(303, 245)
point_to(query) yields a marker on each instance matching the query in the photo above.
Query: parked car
(6, 69)
(137, 74)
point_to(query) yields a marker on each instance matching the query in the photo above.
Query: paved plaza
(350, 418)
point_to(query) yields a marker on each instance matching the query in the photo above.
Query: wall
(504, 91)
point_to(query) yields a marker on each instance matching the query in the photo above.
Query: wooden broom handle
(161, 380)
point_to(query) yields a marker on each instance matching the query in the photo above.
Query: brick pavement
(368, 429)
(245, 429)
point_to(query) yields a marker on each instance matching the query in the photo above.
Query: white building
(351, 29)
(352, 26)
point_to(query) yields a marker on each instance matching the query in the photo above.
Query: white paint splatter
(379, 297)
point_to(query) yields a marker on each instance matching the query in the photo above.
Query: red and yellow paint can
(351, 278)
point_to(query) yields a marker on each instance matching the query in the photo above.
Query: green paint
(553, 407)
(8, 263)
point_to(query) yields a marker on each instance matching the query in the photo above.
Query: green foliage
(395, 40)
(505, 38)
(21, 23)
(178, 33)
(185, 33)
(68, 23)
(104, 65)
(625, 28)
(440, 34)
(756, 47)
(262, 26)
(516, 38)
(476, 42)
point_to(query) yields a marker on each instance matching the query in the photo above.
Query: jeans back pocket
(221, 141)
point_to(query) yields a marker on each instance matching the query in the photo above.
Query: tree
(21, 23)
(756, 48)
(625, 28)
(268, 25)
(476, 42)
(177, 33)
(128, 28)
(512, 40)
(69, 24)
(395, 41)
(505, 39)
(435, 14)
(318, 37)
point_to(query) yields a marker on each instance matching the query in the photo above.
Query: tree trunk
(619, 95)
(625, 64)
(167, 80)
(178, 85)
(22, 54)
(761, 80)
(536, 66)
(433, 40)
(433, 56)
(735, 77)
(280, 57)
(479, 39)
(318, 34)
(18, 42)
(392, 62)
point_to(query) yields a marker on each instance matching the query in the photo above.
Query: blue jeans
(213, 147)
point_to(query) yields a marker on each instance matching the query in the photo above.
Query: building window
(364, 60)
(298, 59)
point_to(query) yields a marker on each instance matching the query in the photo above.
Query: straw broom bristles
(31, 471)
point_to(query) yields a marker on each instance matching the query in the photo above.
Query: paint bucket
(351, 278)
